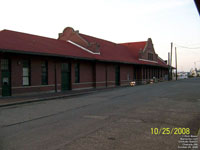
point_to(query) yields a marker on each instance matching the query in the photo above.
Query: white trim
(125, 80)
(82, 83)
(111, 85)
(83, 48)
(148, 60)
(74, 89)
(100, 87)
(92, 82)
(101, 82)
(111, 81)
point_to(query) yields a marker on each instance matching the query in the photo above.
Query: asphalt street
(117, 119)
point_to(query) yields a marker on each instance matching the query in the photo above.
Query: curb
(57, 97)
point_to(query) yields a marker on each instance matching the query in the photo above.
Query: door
(134, 73)
(65, 76)
(117, 75)
(5, 77)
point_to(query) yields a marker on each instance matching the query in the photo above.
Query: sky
(119, 21)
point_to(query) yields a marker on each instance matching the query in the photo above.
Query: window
(150, 56)
(4, 64)
(77, 73)
(44, 78)
(26, 73)
(128, 76)
(134, 73)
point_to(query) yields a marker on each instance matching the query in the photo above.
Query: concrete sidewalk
(22, 99)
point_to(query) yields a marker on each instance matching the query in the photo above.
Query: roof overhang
(72, 57)
(41, 54)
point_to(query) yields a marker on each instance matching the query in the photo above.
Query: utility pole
(176, 61)
(171, 61)
(194, 65)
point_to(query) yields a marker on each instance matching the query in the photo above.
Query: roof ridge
(2, 30)
(162, 60)
(97, 38)
(132, 42)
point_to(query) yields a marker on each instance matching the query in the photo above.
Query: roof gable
(69, 34)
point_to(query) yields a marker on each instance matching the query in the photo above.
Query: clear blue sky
(165, 21)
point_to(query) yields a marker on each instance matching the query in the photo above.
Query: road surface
(118, 119)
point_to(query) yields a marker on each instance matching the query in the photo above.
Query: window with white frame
(26, 73)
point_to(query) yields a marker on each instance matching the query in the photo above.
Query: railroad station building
(74, 61)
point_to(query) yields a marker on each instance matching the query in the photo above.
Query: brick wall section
(86, 72)
(86, 76)
(90, 73)
(0, 77)
(100, 75)
(16, 75)
(125, 71)
(35, 71)
(111, 75)
(51, 72)
(139, 73)
(16, 71)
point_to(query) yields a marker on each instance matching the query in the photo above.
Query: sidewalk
(22, 99)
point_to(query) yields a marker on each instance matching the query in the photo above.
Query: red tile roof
(135, 47)
(109, 51)
(27, 43)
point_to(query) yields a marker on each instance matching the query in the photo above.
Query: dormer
(148, 53)
(73, 37)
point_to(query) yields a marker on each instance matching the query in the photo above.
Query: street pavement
(117, 119)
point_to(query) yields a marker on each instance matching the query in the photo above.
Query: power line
(186, 47)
